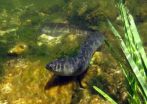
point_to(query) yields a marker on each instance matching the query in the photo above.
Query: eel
(74, 66)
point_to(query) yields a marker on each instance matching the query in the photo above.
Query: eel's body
(73, 66)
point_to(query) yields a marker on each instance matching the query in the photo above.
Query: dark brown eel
(73, 66)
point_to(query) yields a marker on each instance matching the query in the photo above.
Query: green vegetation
(131, 45)
(104, 95)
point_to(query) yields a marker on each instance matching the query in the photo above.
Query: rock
(18, 49)
(48, 40)
(27, 80)
(61, 94)
(87, 98)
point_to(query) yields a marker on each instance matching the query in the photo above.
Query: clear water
(24, 50)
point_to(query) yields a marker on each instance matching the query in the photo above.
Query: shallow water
(24, 50)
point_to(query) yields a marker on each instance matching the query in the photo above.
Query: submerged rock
(25, 81)
(18, 49)
(48, 40)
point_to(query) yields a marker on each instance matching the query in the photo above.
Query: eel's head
(54, 67)
(63, 67)
(50, 66)
(59, 67)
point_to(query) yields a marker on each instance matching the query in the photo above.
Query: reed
(132, 48)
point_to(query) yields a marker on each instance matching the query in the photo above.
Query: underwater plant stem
(104, 95)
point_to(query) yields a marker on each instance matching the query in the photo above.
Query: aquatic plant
(131, 46)
(104, 95)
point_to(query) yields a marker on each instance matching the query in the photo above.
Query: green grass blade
(138, 41)
(114, 30)
(104, 95)
(129, 48)
(132, 32)
(133, 38)
(141, 79)
(133, 50)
